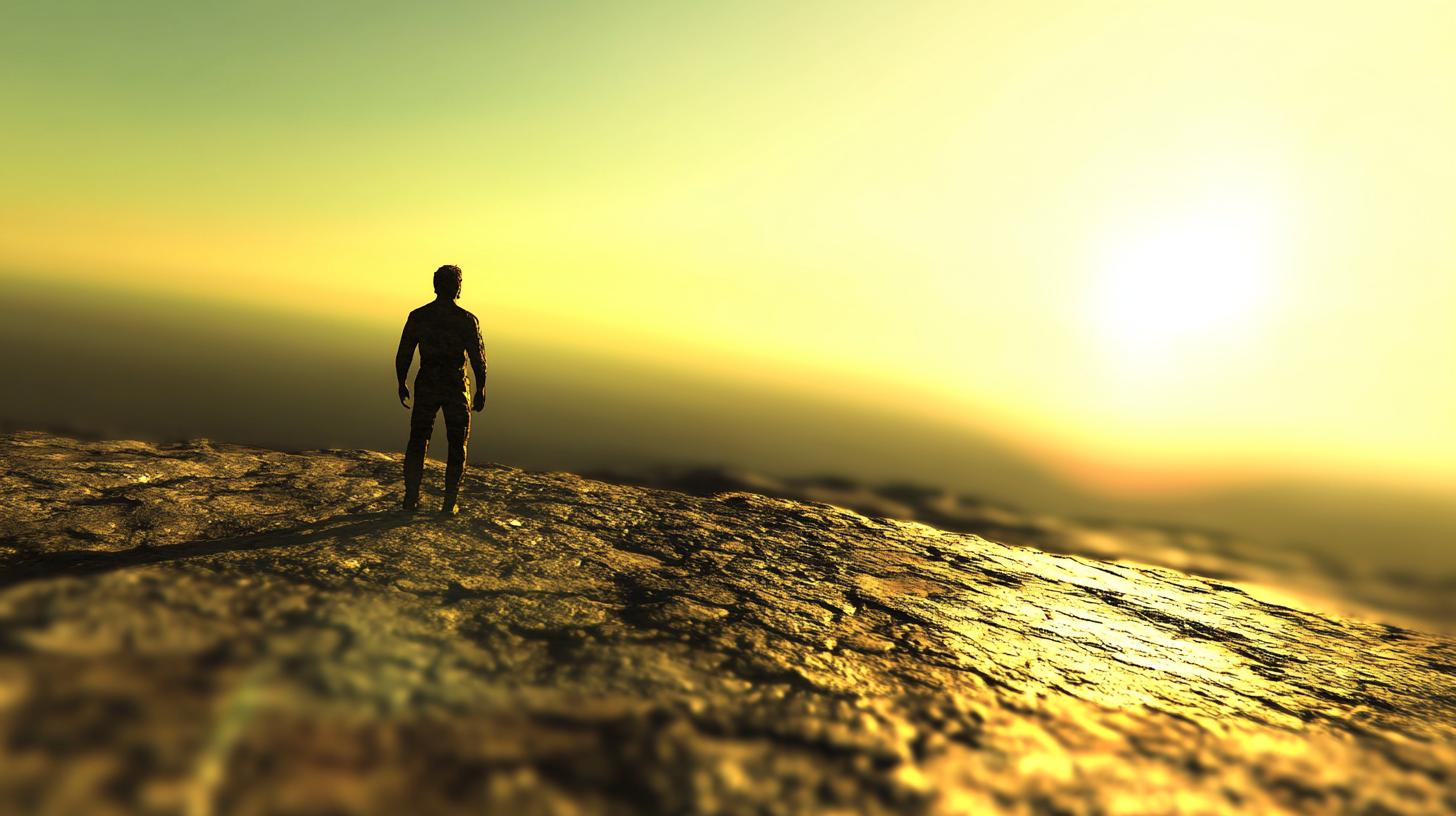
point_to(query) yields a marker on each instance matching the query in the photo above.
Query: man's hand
(404, 395)
(478, 403)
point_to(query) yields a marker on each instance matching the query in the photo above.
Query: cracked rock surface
(207, 628)
(1311, 578)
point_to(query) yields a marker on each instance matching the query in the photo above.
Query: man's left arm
(403, 356)
(476, 350)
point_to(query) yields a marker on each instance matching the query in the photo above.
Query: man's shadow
(25, 567)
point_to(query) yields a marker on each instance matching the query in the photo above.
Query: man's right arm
(403, 357)
(475, 350)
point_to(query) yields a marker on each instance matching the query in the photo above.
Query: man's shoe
(411, 504)
(450, 510)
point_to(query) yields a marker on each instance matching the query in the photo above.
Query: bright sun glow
(1186, 280)
(1171, 234)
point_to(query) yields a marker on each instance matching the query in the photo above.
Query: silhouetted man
(446, 335)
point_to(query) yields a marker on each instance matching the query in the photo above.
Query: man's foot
(450, 510)
(411, 504)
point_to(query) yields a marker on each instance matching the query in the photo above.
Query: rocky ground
(206, 628)
(1282, 572)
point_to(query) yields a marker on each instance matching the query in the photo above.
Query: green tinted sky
(1185, 237)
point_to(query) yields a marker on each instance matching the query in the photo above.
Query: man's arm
(476, 350)
(403, 357)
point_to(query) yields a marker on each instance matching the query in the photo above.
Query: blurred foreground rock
(208, 628)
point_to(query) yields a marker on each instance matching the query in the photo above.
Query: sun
(1187, 279)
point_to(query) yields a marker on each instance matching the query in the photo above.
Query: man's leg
(457, 433)
(422, 424)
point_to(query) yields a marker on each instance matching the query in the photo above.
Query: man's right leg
(457, 433)
(422, 423)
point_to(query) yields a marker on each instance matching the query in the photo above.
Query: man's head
(447, 281)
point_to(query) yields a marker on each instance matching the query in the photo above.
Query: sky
(1154, 245)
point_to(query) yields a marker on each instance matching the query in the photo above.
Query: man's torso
(445, 333)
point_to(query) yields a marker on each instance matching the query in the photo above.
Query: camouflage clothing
(446, 336)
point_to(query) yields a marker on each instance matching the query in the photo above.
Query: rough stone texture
(208, 628)
(1281, 572)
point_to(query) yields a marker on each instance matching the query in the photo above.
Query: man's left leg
(422, 421)
(457, 434)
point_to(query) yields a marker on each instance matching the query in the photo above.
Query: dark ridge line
(34, 567)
